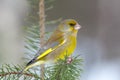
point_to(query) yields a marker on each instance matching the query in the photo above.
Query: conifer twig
(42, 30)
(9, 73)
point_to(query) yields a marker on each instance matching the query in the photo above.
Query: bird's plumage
(61, 43)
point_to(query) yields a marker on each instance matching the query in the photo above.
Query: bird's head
(69, 25)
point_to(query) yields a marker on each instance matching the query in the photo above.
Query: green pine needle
(65, 71)
(61, 70)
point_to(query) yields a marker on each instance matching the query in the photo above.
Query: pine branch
(65, 71)
(42, 31)
(8, 72)
(61, 70)
(16, 73)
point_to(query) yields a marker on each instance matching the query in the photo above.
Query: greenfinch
(61, 43)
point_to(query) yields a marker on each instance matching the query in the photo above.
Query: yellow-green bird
(61, 43)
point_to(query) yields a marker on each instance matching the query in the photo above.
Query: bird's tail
(32, 65)
(29, 65)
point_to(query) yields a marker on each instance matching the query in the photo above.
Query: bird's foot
(69, 60)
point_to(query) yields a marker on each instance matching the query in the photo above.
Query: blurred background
(98, 40)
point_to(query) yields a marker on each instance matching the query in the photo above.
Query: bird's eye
(72, 24)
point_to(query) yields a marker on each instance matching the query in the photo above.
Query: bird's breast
(71, 45)
(68, 48)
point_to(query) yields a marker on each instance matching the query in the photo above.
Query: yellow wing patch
(50, 50)
(45, 53)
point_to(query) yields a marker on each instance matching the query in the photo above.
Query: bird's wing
(51, 45)
(45, 53)
(51, 49)
(52, 41)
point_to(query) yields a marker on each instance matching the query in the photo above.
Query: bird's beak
(77, 26)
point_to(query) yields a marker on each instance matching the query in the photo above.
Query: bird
(61, 43)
